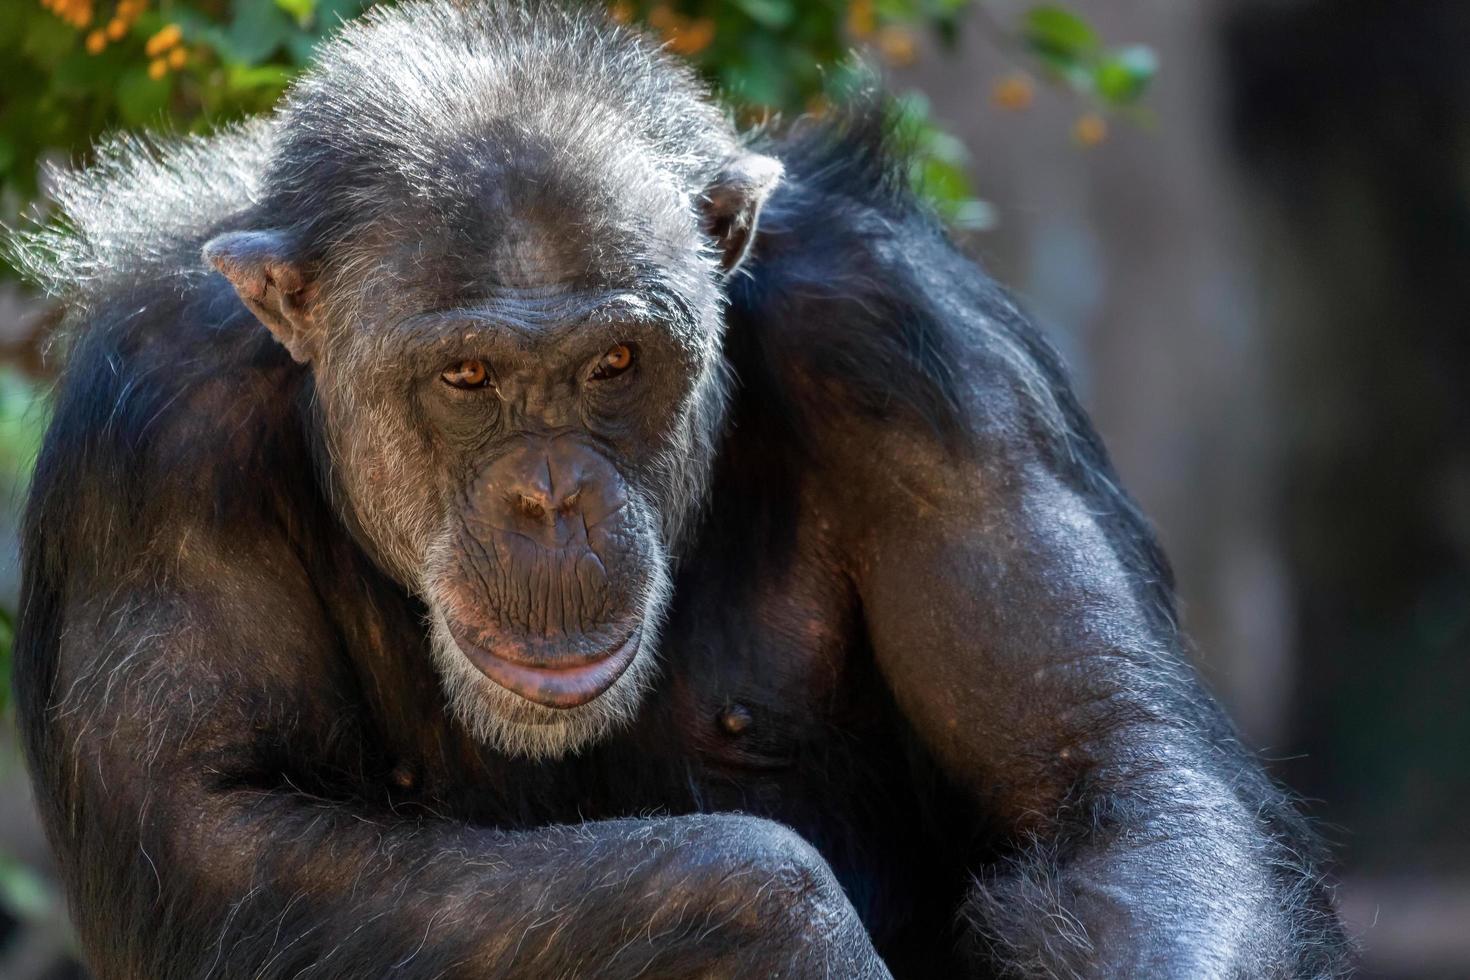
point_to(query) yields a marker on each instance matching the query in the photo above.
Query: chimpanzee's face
(520, 383)
(519, 437)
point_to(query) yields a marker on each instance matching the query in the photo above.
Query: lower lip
(555, 687)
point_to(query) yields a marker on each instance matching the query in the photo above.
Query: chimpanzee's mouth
(560, 682)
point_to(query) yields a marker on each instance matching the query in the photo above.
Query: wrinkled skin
(552, 537)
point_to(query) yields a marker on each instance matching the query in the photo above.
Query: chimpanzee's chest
(769, 704)
(759, 677)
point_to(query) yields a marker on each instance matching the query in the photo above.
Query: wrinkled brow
(543, 316)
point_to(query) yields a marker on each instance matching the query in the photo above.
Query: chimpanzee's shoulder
(860, 321)
(855, 285)
(172, 408)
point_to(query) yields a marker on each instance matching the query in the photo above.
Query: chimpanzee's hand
(784, 911)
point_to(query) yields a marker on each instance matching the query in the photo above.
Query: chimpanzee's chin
(511, 707)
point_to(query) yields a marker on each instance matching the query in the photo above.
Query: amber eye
(613, 363)
(467, 375)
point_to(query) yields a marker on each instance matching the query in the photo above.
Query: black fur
(292, 797)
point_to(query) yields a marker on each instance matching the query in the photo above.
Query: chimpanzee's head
(504, 270)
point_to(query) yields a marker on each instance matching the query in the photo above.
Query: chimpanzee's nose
(542, 506)
(543, 489)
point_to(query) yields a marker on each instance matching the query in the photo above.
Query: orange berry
(178, 58)
(898, 46)
(163, 40)
(692, 37)
(77, 13)
(862, 21)
(157, 68)
(622, 12)
(664, 18)
(1090, 130)
(1013, 92)
(116, 29)
(96, 41)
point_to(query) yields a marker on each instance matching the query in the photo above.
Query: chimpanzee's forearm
(1170, 875)
(267, 884)
(1144, 840)
(196, 854)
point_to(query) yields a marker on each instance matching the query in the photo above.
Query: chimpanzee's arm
(1008, 610)
(190, 850)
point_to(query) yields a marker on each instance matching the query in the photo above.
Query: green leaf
(24, 893)
(257, 32)
(198, 28)
(896, 9)
(47, 38)
(768, 13)
(80, 73)
(241, 78)
(972, 214)
(947, 29)
(140, 99)
(757, 78)
(1124, 75)
(302, 10)
(1058, 33)
(331, 13)
(301, 47)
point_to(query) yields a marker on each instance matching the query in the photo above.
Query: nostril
(570, 504)
(531, 508)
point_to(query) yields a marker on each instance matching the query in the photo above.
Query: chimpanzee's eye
(466, 375)
(613, 363)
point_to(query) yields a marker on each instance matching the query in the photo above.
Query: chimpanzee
(499, 521)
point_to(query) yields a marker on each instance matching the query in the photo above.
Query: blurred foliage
(80, 68)
(23, 416)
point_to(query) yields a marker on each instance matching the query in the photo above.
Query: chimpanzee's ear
(732, 204)
(265, 271)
